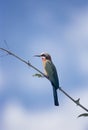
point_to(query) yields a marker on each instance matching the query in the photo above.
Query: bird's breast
(44, 66)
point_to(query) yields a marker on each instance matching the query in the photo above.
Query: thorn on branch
(9, 53)
(77, 101)
(29, 63)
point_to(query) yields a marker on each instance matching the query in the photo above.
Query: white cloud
(2, 79)
(76, 34)
(83, 61)
(65, 118)
(77, 30)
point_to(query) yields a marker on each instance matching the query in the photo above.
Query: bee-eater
(51, 73)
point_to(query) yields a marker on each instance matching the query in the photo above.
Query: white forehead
(44, 53)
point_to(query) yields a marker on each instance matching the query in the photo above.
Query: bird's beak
(37, 55)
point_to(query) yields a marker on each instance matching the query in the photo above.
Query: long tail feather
(55, 96)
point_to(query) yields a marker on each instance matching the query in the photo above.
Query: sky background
(59, 27)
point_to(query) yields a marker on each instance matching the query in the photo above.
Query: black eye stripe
(43, 55)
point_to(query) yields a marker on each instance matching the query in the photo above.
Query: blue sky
(59, 27)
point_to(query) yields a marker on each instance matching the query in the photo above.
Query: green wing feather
(52, 73)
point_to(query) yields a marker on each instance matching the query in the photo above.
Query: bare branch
(29, 64)
(75, 101)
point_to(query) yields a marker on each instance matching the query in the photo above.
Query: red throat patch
(43, 58)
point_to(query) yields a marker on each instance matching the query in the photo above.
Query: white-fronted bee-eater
(51, 73)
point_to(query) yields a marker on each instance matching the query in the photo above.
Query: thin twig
(29, 64)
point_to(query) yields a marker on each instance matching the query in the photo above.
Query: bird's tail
(55, 96)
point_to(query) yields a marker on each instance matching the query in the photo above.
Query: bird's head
(44, 56)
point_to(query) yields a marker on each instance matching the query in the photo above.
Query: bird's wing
(52, 73)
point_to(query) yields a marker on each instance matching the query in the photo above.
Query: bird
(51, 72)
